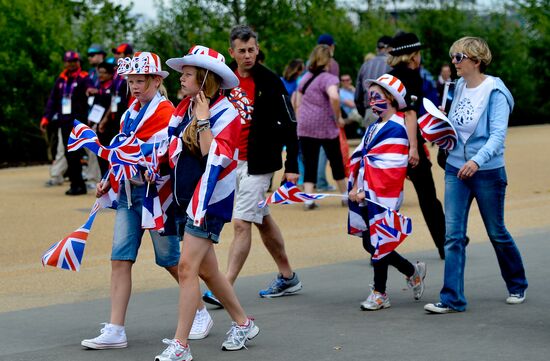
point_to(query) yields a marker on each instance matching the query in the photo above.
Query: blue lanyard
(130, 124)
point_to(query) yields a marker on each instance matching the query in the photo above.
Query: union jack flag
(155, 204)
(289, 193)
(387, 229)
(436, 128)
(67, 253)
(124, 150)
(123, 154)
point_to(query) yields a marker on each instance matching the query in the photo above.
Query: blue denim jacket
(486, 145)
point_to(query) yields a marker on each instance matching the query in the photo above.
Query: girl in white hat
(204, 131)
(378, 168)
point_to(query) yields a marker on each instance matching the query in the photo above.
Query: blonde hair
(210, 88)
(394, 60)
(475, 48)
(319, 58)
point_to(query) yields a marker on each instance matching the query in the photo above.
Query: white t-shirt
(471, 104)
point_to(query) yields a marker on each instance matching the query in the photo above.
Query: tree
(35, 35)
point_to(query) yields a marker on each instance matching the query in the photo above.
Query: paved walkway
(324, 321)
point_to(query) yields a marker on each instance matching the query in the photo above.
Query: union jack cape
(379, 166)
(215, 190)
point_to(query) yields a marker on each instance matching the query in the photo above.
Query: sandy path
(33, 217)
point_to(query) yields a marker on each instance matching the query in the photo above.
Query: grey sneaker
(416, 281)
(281, 286)
(376, 301)
(175, 352)
(201, 325)
(237, 336)
(111, 337)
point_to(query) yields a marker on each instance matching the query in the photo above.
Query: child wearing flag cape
(203, 137)
(378, 169)
(147, 118)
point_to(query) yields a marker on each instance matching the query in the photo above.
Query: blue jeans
(322, 182)
(128, 232)
(488, 187)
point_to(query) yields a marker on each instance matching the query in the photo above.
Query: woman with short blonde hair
(475, 170)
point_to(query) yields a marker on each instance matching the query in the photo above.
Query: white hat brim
(163, 74)
(398, 97)
(229, 79)
(433, 110)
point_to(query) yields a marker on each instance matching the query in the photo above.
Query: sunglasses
(458, 57)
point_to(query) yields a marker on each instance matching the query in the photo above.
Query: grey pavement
(324, 321)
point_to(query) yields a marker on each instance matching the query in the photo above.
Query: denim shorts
(128, 233)
(210, 229)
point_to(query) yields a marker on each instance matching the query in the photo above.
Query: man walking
(268, 123)
(68, 102)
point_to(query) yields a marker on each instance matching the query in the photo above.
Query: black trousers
(310, 150)
(381, 266)
(74, 170)
(432, 210)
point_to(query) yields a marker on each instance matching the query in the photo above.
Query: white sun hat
(142, 63)
(393, 85)
(203, 57)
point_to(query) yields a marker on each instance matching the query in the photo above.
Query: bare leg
(273, 241)
(218, 283)
(193, 251)
(198, 254)
(121, 288)
(173, 270)
(239, 249)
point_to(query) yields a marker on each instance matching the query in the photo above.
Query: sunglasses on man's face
(458, 57)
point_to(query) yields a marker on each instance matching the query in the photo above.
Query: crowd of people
(226, 139)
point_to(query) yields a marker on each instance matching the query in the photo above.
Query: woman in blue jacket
(475, 169)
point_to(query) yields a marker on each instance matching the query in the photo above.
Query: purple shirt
(315, 115)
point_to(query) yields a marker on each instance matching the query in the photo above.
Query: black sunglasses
(458, 57)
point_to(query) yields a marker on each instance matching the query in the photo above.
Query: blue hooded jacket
(486, 145)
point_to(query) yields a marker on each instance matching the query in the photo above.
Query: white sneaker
(201, 325)
(515, 298)
(376, 301)
(175, 352)
(416, 281)
(112, 336)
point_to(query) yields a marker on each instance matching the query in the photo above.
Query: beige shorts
(251, 190)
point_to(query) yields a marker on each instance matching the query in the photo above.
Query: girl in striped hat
(378, 168)
(204, 131)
